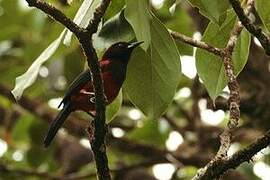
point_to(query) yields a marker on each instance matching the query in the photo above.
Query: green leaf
(215, 10)
(36, 155)
(22, 126)
(37, 131)
(114, 30)
(151, 132)
(241, 51)
(263, 8)
(210, 67)
(115, 8)
(29, 77)
(139, 17)
(153, 75)
(114, 107)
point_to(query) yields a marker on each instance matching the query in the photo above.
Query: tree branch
(245, 155)
(234, 101)
(253, 29)
(85, 38)
(195, 43)
(57, 15)
(4, 169)
(100, 128)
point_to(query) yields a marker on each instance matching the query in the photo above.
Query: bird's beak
(135, 44)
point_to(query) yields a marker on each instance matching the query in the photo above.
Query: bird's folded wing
(76, 85)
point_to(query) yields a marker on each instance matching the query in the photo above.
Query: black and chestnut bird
(80, 94)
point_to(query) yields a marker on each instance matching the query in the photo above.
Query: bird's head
(120, 51)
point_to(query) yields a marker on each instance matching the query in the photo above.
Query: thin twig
(57, 15)
(196, 43)
(249, 25)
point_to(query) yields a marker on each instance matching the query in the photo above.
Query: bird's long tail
(57, 123)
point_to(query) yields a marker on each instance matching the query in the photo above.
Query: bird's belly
(84, 100)
(111, 88)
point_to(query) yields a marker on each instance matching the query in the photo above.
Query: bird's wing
(76, 85)
(81, 80)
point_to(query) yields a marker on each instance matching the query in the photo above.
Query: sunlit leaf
(263, 9)
(210, 67)
(114, 107)
(29, 77)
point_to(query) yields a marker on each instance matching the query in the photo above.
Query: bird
(80, 94)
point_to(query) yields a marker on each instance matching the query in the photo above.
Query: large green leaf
(210, 67)
(263, 8)
(153, 75)
(139, 18)
(114, 107)
(30, 76)
(215, 10)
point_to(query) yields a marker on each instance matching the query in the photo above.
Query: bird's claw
(93, 100)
